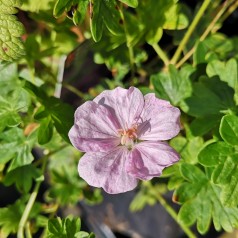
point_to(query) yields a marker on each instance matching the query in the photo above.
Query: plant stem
(28, 230)
(73, 89)
(161, 54)
(231, 9)
(190, 31)
(173, 214)
(208, 30)
(215, 19)
(27, 210)
(31, 201)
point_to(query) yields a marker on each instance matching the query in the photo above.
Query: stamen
(128, 137)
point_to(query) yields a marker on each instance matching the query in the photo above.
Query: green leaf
(227, 71)
(75, 9)
(199, 55)
(68, 227)
(17, 147)
(201, 126)
(61, 6)
(22, 177)
(80, 13)
(45, 131)
(56, 228)
(163, 14)
(215, 153)
(187, 148)
(10, 217)
(174, 19)
(229, 129)
(210, 97)
(17, 101)
(66, 186)
(72, 226)
(83, 234)
(11, 47)
(61, 114)
(9, 78)
(203, 204)
(130, 3)
(173, 86)
(105, 12)
(224, 158)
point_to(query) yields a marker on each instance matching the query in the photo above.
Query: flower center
(128, 137)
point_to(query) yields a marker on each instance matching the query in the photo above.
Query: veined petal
(159, 120)
(107, 170)
(95, 128)
(147, 159)
(125, 104)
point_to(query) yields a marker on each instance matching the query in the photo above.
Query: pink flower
(123, 134)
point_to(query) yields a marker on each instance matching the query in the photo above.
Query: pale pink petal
(159, 120)
(147, 159)
(126, 104)
(95, 128)
(107, 170)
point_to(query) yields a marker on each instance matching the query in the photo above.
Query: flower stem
(161, 54)
(174, 215)
(190, 31)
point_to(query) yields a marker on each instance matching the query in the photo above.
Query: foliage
(55, 55)
(68, 227)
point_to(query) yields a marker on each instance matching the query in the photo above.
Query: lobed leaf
(17, 147)
(106, 13)
(54, 111)
(203, 205)
(67, 227)
(223, 157)
(210, 97)
(173, 86)
(22, 177)
(10, 217)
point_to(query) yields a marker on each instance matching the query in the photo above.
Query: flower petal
(149, 158)
(95, 128)
(160, 120)
(126, 104)
(107, 170)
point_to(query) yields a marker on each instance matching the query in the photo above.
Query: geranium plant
(116, 96)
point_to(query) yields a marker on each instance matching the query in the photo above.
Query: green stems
(157, 195)
(190, 31)
(29, 205)
(210, 27)
(73, 89)
(161, 54)
(20, 233)
(173, 214)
